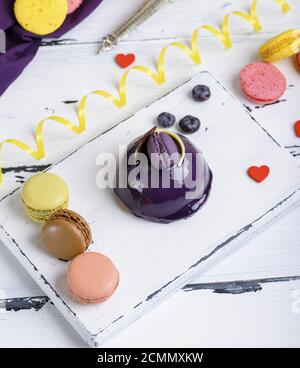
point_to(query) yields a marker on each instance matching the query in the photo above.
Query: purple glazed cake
(166, 178)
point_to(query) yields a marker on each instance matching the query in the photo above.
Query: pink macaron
(74, 5)
(262, 82)
(92, 278)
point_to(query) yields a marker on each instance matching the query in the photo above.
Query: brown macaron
(66, 235)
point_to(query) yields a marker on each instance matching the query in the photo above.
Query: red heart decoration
(297, 128)
(125, 60)
(259, 174)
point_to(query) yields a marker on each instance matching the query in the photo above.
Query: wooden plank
(44, 94)
(250, 144)
(31, 99)
(188, 319)
(272, 252)
(178, 20)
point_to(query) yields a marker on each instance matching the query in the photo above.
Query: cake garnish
(163, 147)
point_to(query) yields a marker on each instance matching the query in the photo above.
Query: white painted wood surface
(51, 80)
(188, 319)
(155, 260)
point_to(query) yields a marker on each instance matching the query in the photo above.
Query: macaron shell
(262, 82)
(63, 239)
(80, 300)
(45, 192)
(73, 5)
(41, 17)
(92, 278)
(260, 102)
(77, 220)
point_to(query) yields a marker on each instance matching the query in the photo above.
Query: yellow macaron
(44, 194)
(41, 17)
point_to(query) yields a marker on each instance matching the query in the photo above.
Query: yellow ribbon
(178, 140)
(158, 76)
(284, 5)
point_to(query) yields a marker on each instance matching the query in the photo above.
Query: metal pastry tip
(108, 43)
(148, 8)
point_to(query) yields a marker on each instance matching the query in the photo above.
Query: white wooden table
(251, 298)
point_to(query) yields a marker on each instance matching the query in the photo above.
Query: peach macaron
(92, 278)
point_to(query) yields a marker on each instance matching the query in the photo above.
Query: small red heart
(125, 60)
(259, 174)
(297, 128)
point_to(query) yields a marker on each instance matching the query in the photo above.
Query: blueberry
(201, 93)
(166, 120)
(189, 124)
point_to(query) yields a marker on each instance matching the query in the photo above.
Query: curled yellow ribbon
(158, 76)
(178, 140)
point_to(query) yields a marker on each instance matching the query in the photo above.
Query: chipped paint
(238, 287)
(269, 104)
(18, 304)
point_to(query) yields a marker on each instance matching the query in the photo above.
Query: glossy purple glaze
(161, 204)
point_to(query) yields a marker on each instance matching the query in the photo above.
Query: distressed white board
(155, 259)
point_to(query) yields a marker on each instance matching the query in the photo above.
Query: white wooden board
(155, 260)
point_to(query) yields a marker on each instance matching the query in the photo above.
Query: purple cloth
(21, 46)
